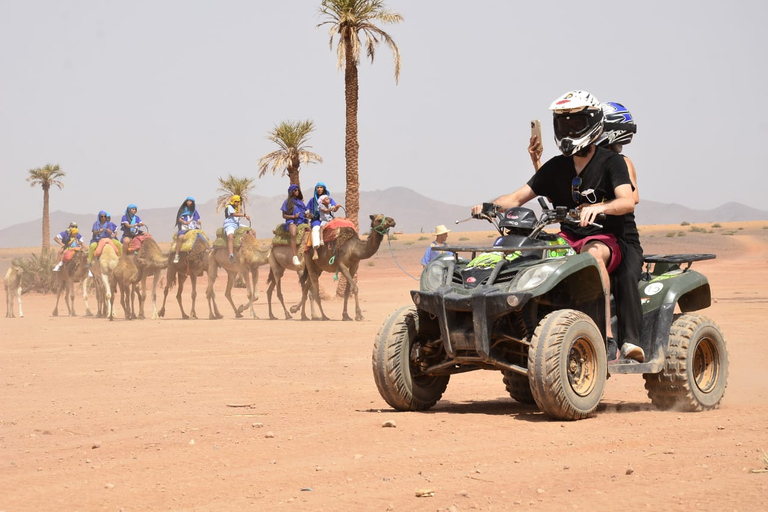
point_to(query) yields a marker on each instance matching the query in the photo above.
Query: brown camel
(71, 272)
(280, 260)
(248, 258)
(12, 283)
(151, 261)
(126, 278)
(345, 259)
(191, 263)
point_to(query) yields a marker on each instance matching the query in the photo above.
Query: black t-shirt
(604, 172)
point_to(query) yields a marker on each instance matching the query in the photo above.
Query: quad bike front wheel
(394, 368)
(695, 371)
(518, 387)
(567, 365)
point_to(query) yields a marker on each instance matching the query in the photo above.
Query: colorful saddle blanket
(70, 253)
(331, 230)
(282, 237)
(103, 242)
(221, 237)
(135, 244)
(190, 237)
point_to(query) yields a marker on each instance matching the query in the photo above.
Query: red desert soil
(284, 415)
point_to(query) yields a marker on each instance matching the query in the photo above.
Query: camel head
(381, 224)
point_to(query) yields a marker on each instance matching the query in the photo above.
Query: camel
(106, 264)
(248, 258)
(345, 259)
(191, 263)
(126, 277)
(280, 260)
(71, 272)
(12, 282)
(150, 261)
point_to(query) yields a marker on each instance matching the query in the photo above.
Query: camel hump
(191, 237)
(282, 237)
(221, 236)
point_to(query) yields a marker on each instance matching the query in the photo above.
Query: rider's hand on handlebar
(589, 214)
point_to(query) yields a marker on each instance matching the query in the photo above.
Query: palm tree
(347, 18)
(232, 186)
(292, 137)
(46, 177)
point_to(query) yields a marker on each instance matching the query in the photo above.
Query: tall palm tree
(347, 19)
(47, 177)
(231, 186)
(292, 138)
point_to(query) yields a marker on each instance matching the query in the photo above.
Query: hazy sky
(148, 102)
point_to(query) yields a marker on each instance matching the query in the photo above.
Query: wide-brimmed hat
(73, 225)
(441, 229)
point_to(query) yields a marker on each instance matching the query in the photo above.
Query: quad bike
(532, 308)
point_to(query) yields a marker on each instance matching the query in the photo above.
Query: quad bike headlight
(531, 278)
(436, 274)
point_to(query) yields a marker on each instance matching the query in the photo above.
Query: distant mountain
(413, 212)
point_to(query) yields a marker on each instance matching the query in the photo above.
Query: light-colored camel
(248, 258)
(191, 263)
(280, 260)
(151, 261)
(345, 259)
(106, 264)
(71, 272)
(126, 278)
(12, 283)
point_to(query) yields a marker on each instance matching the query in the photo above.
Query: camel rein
(392, 252)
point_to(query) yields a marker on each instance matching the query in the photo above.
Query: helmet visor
(571, 125)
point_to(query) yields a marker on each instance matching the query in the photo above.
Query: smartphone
(536, 130)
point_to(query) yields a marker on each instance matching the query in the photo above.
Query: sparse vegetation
(670, 234)
(409, 242)
(38, 273)
(729, 233)
(697, 229)
(422, 238)
(685, 223)
(463, 238)
(681, 233)
(371, 263)
(716, 225)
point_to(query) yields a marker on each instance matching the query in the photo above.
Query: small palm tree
(232, 186)
(47, 177)
(347, 19)
(292, 138)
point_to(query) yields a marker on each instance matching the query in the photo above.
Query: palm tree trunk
(46, 219)
(351, 146)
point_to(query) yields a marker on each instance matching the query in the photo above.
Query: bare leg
(602, 254)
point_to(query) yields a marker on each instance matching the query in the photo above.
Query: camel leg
(59, 288)
(351, 288)
(155, 280)
(70, 296)
(251, 278)
(271, 282)
(210, 295)
(193, 283)
(314, 281)
(170, 278)
(107, 295)
(9, 303)
(231, 276)
(85, 297)
(182, 279)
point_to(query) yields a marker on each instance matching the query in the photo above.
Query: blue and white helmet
(619, 126)
(578, 121)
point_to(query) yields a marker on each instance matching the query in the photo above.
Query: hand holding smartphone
(536, 132)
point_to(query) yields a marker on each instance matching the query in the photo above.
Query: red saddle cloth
(70, 253)
(102, 243)
(331, 231)
(135, 243)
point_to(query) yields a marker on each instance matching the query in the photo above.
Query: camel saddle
(104, 241)
(283, 237)
(70, 253)
(221, 237)
(135, 244)
(331, 230)
(190, 237)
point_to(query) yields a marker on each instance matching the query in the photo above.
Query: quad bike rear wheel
(567, 365)
(394, 367)
(695, 372)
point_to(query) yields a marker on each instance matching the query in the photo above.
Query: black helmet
(518, 220)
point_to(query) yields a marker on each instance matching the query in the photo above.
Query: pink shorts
(607, 239)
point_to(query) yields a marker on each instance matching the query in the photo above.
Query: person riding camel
(130, 224)
(295, 213)
(68, 239)
(232, 215)
(187, 218)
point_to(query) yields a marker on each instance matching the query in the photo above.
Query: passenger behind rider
(111, 227)
(130, 225)
(68, 239)
(232, 216)
(319, 213)
(618, 130)
(187, 218)
(434, 249)
(593, 179)
(295, 213)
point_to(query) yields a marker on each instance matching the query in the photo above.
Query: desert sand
(243, 414)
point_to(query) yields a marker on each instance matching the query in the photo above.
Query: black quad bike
(532, 308)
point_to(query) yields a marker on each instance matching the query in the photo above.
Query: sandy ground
(241, 414)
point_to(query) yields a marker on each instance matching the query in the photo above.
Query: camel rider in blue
(130, 224)
(187, 218)
(294, 213)
(111, 227)
(99, 230)
(232, 216)
(317, 209)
